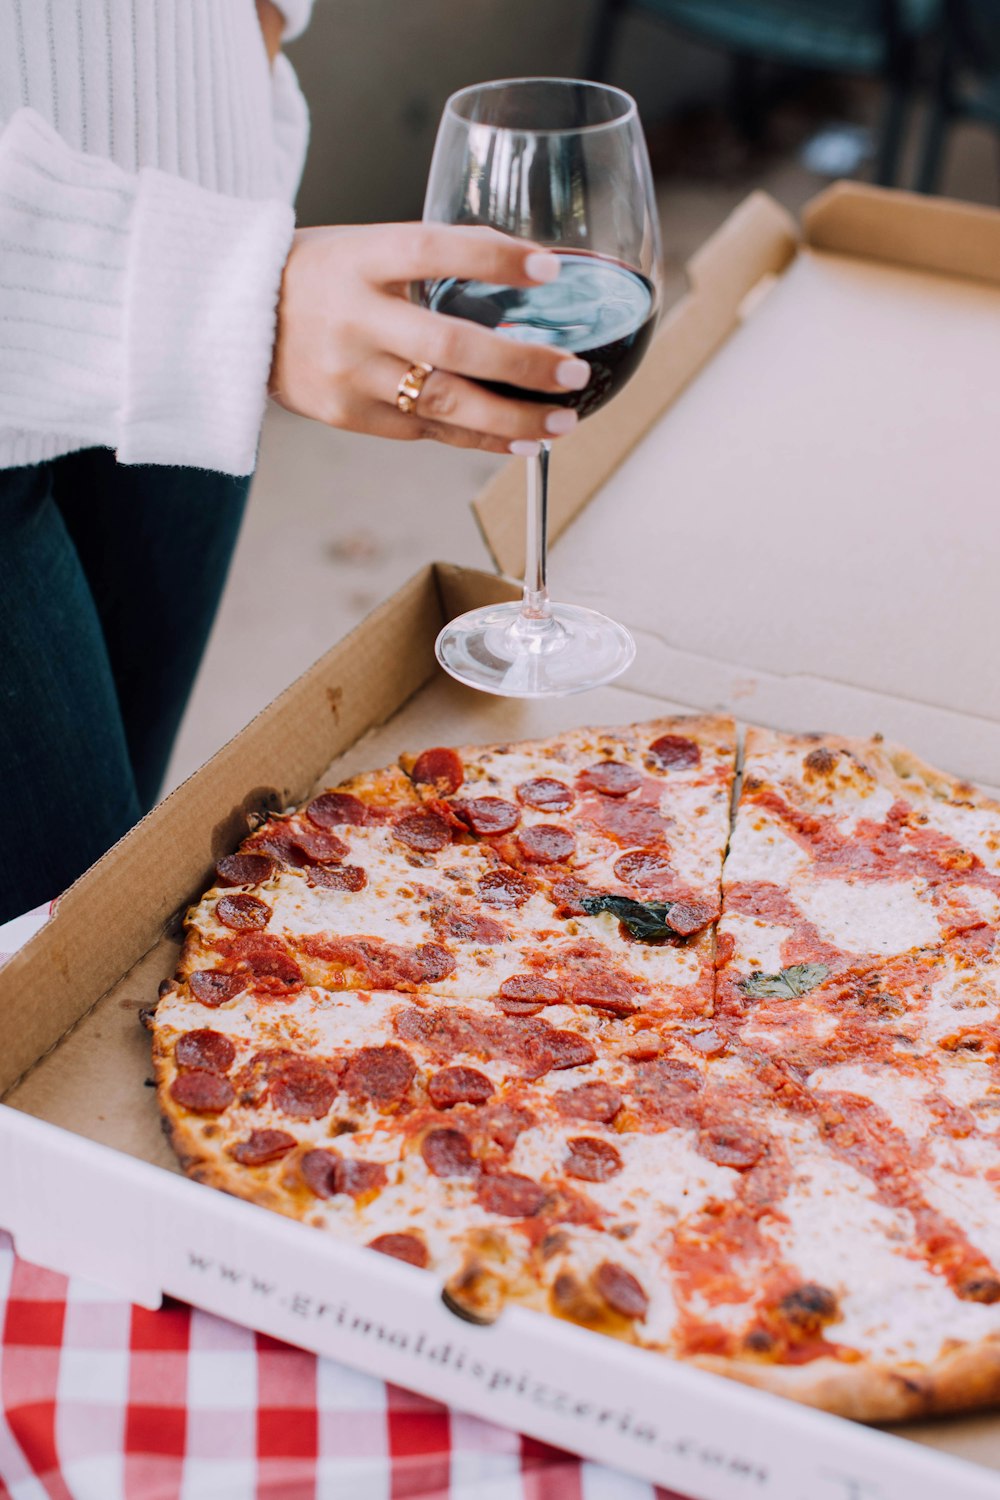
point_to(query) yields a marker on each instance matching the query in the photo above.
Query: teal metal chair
(967, 82)
(877, 38)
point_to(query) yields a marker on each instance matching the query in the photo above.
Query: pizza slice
(859, 986)
(640, 812)
(856, 848)
(394, 881)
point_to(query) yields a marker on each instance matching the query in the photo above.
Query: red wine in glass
(597, 309)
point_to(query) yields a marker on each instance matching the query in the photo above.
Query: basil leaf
(787, 984)
(645, 920)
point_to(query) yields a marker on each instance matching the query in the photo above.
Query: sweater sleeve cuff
(64, 238)
(201, 295)
(296, 14)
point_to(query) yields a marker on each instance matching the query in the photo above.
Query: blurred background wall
(378, 72)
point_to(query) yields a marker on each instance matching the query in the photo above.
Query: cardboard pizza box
(796, 510)
(798, 401)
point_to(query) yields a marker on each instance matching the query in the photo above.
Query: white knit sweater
(148, 159)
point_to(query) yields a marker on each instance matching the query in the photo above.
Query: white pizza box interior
(794, 509)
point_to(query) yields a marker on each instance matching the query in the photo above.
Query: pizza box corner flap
(908, 229)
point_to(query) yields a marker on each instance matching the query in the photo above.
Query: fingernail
(541, 266)
(523, 449)
(560, 422)
(572, 374)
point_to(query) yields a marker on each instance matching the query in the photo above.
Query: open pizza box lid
(795, 507)
(791, 510)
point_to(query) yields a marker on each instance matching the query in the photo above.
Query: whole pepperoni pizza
(570, 1025)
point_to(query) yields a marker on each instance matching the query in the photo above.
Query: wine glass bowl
(561, 162)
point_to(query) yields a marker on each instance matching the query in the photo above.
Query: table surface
(100, 1400)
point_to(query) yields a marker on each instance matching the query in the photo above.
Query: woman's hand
(347, 334)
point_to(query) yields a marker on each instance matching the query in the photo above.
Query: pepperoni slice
(242, 912)
(440, 768)
(610, 777)
(304, 1088)
(519, 1007)
(379, 1075)
(590, 1101)
(632, 824)
(567, 895)
(262, 1146)
(339, 878)
(620, 1290)
(731, 1146)
(204, 1049)
(546, 843)
(488, 815)
(470, 927)
(267, 958)
(534, 987)
(504, 888)
(331, 809)
(214, 988)
(321, 846)
(244, 869)
(688, 917)
(278, 843)
(328, 1174)
(254, 1078)
(453, 1086)
(547, 794)
(359, 1177)
(591, 1159)
(527, 994)
(448, 1154)
(555, 1050)
(708, 1042)
(503, 1123)
(510, 1194)
(606, 991)
(401, 1247)
(202, 1093)
(674, 752)
(425, 831)
(431, 963)
(319, 1172)
(643, 867)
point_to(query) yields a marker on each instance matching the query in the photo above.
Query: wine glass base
(498, 650)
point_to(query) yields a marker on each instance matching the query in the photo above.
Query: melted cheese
(885, 916)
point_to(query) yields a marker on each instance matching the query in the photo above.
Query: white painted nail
(560, 422)
(524, 449)
(572, 374)
(541, 266)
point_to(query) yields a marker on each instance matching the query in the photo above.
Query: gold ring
(409, 388)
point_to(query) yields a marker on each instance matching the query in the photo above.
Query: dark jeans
(109, 582)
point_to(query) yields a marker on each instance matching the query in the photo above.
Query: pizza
(573, 1025)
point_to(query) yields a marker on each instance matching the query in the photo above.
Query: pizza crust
(892, 764)
(966, 1378)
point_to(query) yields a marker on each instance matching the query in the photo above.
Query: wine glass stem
(535, 599)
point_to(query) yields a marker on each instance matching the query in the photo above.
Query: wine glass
(562, 162)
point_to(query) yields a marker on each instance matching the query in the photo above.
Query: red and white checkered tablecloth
(100, 1400)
